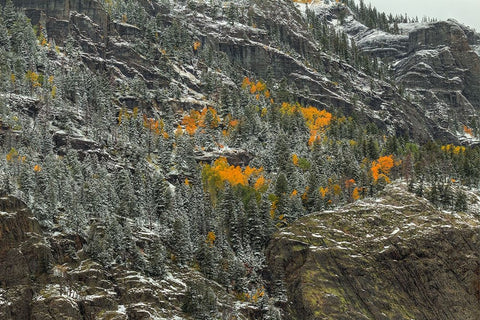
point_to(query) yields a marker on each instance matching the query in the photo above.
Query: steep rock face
(24, 257)
(435, 62)
(449, 68)
(392, 258)
(57, 15)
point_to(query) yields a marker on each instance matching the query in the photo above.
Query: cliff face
(442, 66)
(395, 257)
(435, 62)
(24, 256)
(61, 17)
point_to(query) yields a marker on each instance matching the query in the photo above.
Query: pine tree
(9, 14)
(181, 242)
(461, 203)
(200, 301)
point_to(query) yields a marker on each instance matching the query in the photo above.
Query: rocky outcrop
(24, 258)
(435, 62)
(396, 257)
(440, 56)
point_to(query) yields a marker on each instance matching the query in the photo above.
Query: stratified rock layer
(392, 258)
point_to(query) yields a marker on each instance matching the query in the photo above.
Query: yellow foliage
(349, 183)
(210, 238)
(233, 123)
(246, 82)
(190, 124)
(33, 77)
(12, 78)
(257, 88)
(257, 295)
(196, 119)
(323, 191)
(356, 194)
(273, 208)
(12, 154)
(264, 112)
(337, 189)
(261, 86)
(178, 131)
(197, 45)
(456, 150)
(53, 92)
(295, 159)
(305, 195)
(260, 183)
(459, 149)
(37, 168)
(288, 109)
(222, 172)
(381, 167)
(120, 116)
(294, 193)
(253, 88)
(316, 120)
(187, 182)
(468, 130)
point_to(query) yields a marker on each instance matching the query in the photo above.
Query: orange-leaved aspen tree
(381, 168)
(210, 240)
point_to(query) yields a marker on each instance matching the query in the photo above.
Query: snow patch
(394, 232)
(316, 6)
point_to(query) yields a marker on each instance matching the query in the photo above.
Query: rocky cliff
(435, 62)
(395, 257)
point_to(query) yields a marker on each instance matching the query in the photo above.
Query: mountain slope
(156, 147)
(394, 257)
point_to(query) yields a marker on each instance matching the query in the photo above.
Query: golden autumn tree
(210, 239)
(468, 131)
(258, 88)
(381, 168)
(316, 120)
(356, 193)
(221, 172)
(207, 117)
